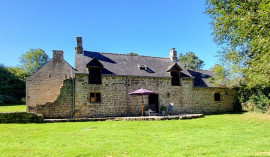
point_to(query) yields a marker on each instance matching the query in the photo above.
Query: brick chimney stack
(79, 48)
(173, 55)
(58, 55)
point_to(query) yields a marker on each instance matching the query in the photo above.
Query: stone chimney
(173, 55)
(58, 55)
(79, 48)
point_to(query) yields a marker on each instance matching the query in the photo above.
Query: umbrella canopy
(142, 92)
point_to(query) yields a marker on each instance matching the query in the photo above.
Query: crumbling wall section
(61, 107)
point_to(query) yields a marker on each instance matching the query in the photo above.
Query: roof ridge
(127, 54)
(199, 70)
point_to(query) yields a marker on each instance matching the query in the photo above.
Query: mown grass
(245, 134)
(12, 108)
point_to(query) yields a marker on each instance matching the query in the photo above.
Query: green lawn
(12, 108)
(215, 135)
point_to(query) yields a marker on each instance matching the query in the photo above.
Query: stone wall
(115, 100)
(44, 85)
(114, 95)
(204, 102)
(61, 107)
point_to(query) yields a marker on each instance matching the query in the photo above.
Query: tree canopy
(33, 59)
(242, 28)
(12, 84)
(191, 61)
(220, 77)
(133, 54)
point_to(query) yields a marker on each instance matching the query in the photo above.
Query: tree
(12, 86)
(133, 54)
(20, 73)
(190, 61)
(33, 59)
(221, 74)
(242, 28)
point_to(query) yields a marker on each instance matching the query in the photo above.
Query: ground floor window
(95, 97)
(217, 96)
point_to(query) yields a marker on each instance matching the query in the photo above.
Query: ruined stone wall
(44, 86)
(114, 95)
(204, 102)
(61, 107)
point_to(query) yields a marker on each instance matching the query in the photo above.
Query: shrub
(163, 108)
(255, 99)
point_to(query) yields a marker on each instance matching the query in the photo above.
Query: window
(175, 78)
(94, 76)
(95, 97)
(142, 67)
(217, 96)
(95, 69)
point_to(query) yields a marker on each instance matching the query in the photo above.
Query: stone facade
(52, 91)
(115, 100)
(44, 85)
(204, 102)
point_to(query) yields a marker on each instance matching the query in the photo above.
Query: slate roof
(123, 64)
(202, 77)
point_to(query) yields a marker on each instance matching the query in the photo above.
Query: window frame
(175, 77)
(91, 76)
(95, 97)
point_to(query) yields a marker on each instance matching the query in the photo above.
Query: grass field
(245, 134)
(12, 108)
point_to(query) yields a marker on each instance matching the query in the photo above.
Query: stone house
(100, 83)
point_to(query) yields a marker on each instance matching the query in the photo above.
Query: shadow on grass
(222, 113)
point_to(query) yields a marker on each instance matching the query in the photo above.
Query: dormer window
(174, 70)
(94, 75)
(95, 69)
(175, 78)
(142, 67)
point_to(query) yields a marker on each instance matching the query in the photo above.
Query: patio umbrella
(142, 92)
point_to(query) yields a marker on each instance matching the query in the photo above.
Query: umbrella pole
(142, 104)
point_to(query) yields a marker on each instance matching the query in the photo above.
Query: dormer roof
(174, 67)
(94, 63)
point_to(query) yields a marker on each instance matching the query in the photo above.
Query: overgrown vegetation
(255, 99)
(242, 29)
(12, 85)
(216, 135)
(12, 79)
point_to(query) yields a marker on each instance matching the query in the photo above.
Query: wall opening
(217, 96)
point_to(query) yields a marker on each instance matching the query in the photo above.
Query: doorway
(153, 102)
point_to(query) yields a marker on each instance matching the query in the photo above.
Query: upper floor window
(95, 69)
(94, 76)
(174, 70)
(175, 80)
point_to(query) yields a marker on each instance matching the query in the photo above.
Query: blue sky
(146, 27)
